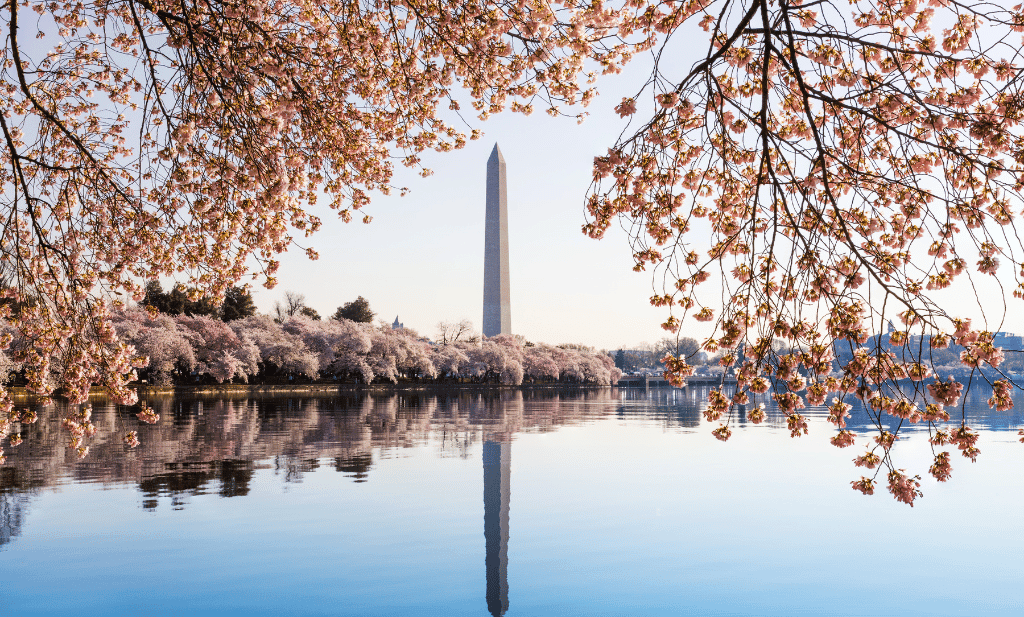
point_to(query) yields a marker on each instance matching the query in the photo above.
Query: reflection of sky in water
(613, 503)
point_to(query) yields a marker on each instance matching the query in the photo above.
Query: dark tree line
(295, 304)
(237, 303)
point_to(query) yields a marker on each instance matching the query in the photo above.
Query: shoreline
(147, 392)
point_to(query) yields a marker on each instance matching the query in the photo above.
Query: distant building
(1008, 340)
(397, 325)
(1005, 340)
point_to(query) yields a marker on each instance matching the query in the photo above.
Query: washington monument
(497, 307)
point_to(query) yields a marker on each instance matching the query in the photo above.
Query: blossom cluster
(79, 425)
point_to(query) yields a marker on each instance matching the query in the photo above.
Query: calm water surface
(605, 502)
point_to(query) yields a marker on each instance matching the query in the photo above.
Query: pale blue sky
(422, 256)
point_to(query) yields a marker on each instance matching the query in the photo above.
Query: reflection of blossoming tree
(848, 162)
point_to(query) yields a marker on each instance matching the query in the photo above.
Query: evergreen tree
(155, 296)
(177, 303)
(310, 312)
(238, 304)
(357, 310)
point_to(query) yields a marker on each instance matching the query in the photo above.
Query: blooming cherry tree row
(189, 349)
(185, 348)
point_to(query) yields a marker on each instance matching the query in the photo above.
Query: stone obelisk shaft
(497, 306)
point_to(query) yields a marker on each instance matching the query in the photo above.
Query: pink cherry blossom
(842, 439)
(864, 485)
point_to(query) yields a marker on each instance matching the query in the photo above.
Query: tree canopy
(238, 304)
(830, 168)
(177, 302)
(310, 312)
(827, 167)
(357, 310)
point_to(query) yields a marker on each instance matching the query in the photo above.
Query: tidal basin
(498, 501)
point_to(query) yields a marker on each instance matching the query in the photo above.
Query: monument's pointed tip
(496, 152)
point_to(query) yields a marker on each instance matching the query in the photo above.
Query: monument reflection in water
(217, 445)
(369, 503)
(497, 491)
